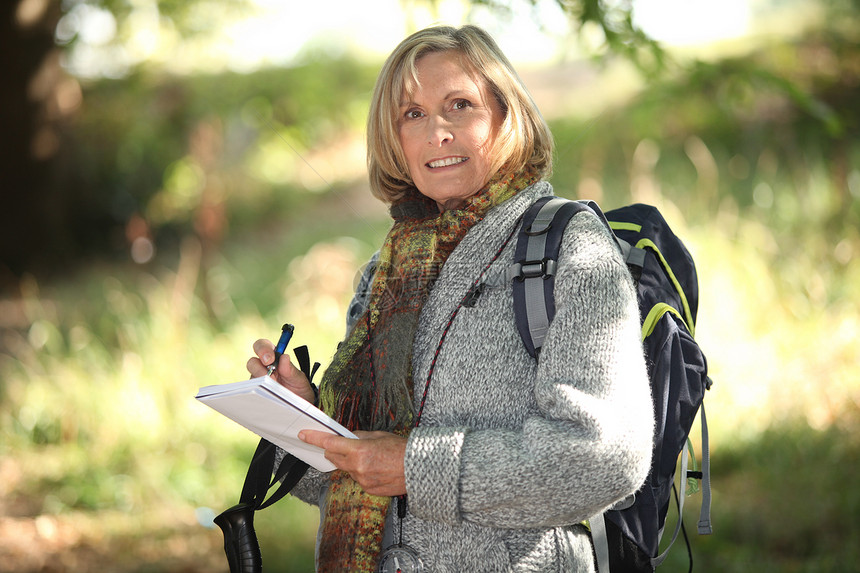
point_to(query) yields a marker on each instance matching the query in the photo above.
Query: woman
(500, 457)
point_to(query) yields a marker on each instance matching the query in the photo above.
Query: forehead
(441, 72)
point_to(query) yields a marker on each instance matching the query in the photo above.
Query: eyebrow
(453, 94)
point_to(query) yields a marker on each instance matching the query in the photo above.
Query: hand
(287, 374)
(375, 460)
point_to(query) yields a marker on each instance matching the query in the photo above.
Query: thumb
(290, 373)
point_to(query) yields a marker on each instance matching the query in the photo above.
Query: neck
(450, 204)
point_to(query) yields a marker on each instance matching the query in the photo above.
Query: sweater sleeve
(586, 439)
(308, 488)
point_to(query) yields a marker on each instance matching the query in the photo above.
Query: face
(446, 129)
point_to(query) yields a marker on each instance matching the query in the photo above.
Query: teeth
(447, 161)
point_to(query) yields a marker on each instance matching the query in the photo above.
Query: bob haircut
(523, 138)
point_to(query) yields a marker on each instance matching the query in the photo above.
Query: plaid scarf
(368, 385)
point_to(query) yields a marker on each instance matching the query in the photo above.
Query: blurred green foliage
(168, 148)
(772, 136)
(619, 35)
(250, 189)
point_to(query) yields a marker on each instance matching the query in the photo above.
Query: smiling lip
(446, 162)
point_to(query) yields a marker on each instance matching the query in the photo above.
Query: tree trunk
(29, 62)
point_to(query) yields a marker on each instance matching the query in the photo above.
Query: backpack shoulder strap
(536, 256)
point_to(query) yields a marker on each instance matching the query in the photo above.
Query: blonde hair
(523, 139)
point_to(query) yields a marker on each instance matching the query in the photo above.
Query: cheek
(409, 144)
(483, 136)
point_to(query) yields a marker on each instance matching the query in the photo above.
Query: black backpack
(627, 537)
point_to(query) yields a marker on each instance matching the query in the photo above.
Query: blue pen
(286, 334)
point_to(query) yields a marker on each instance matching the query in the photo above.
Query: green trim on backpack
(654, 316)
(688, 316)
(624, 226)
(627, 537)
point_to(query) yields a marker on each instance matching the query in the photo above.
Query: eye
(413, 114)
(461, 104)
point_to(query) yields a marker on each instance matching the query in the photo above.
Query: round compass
(400, 558)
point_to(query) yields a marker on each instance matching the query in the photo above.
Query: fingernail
(268, 359)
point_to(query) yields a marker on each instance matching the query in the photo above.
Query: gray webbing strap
(656, 561)
(632, 255)
(535, 297)
(601, 544)
(597, 524)
(705, 515)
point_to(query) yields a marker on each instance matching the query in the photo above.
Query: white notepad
(275, 413)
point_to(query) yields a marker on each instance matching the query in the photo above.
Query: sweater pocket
(555, 550)
(467, 547)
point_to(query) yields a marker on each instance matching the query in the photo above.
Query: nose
(439, 132)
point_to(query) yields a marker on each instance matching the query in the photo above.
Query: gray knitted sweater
(511, 455)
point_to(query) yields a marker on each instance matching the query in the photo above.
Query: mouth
(446, 162)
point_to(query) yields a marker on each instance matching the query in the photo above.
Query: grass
(108, 463)
(107, 458)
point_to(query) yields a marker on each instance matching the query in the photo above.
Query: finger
(330, 443)
(286, 368)
(255, 367)
(313, 438)
(368, 435)
(265, 351)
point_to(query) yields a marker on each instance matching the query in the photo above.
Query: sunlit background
(182, 177)
(266, 33)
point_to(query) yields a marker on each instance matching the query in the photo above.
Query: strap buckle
(536, 269)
